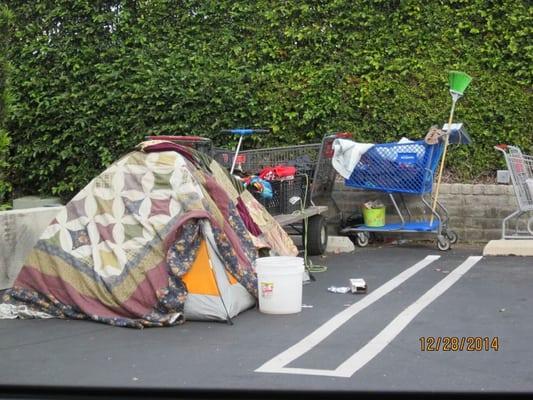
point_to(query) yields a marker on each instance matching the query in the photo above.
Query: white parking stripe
(387, 335)
(276, 364)
(393, 329)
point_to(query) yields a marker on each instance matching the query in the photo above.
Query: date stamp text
(456, 343)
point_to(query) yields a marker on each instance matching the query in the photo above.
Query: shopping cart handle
(178, 138)
(343, 135)
(502, 147)
(245, 132)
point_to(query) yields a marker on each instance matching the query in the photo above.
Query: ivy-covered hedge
(5, 187)
(91, 78)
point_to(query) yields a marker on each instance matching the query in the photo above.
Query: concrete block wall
(19, 231)
(476, 211)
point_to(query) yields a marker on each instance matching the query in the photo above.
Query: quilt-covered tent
(162, 235)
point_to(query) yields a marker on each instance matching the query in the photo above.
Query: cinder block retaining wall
(476, 211)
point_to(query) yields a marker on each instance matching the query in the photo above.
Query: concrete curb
(509, 248)
(336, 244)
(339, 244)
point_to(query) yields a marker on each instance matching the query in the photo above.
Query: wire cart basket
(313, 185)
(313, 160)
(520, 167)
(402, 169)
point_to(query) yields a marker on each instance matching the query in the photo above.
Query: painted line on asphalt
(389, 333)
(398, 324)
(276, 364)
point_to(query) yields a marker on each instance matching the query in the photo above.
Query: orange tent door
(201, 278)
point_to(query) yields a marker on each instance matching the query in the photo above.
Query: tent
(213, 292)
(164, 234)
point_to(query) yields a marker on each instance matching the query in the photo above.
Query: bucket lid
(282, 265)
(279, 260)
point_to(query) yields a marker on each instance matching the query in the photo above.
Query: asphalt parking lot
(339, 342)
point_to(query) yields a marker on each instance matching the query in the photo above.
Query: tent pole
(236, 154)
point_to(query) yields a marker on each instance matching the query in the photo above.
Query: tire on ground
(317, 235)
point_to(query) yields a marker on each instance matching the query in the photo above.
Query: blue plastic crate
(397, 167)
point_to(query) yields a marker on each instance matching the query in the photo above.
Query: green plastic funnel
(459, 81)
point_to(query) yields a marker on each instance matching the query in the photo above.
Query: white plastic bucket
(279, 281)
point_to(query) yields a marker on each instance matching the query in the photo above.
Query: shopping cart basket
(402, 169)
(313, 160)
(520, 167)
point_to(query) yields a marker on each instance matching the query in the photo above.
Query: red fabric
(139, 303)
(250, 224)
(277, 172)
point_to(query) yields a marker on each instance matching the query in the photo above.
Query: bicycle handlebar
(245, 132)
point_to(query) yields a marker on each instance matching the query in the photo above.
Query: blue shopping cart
(400, 169)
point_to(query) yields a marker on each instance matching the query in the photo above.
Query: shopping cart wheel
(452, 236)
(317, 235)
(362, 239)
(443, 243)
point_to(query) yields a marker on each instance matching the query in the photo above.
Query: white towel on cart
(346, 155)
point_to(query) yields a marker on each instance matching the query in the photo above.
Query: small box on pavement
(358, 286)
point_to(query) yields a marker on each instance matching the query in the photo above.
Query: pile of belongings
(163, 235)
(260, 184)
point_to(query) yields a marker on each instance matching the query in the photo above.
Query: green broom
(458, 81)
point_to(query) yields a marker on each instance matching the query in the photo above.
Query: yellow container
(374, 216)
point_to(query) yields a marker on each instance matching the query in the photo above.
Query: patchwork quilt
(117, 251)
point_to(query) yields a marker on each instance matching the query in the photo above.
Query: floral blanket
(116, 253)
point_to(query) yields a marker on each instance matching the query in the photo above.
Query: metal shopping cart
(402, 169)
(313, 160)
(313, 185)
(520, 167)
